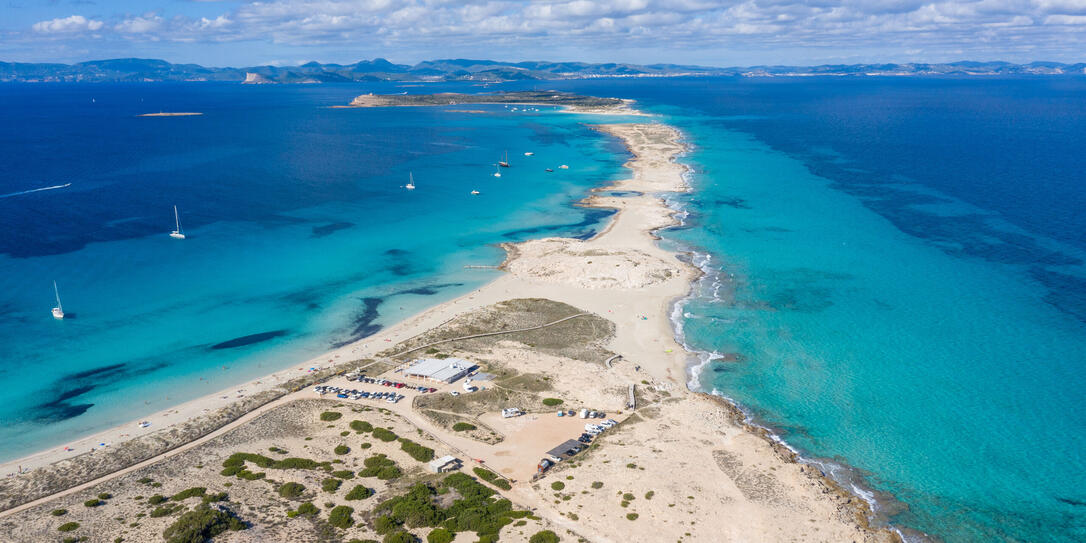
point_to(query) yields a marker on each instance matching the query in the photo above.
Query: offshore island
(549, 405)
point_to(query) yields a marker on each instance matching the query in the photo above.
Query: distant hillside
(379, 69)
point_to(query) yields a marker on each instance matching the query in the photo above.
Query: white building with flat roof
(444, 370)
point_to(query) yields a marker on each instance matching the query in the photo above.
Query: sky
(711, 33)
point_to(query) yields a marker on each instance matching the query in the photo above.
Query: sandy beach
(681, 466)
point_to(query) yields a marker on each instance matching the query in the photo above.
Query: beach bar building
(445, 370)
(566, 450)
(445, 464)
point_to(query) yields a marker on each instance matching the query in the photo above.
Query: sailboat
(58, 311)
(177, 234)
(474, 192)
(498, 172)
(411, 182)
(505, 160)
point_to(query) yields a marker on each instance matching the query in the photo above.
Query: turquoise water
(300, 234)
(948, 384)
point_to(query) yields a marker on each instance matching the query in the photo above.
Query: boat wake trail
(54, 187)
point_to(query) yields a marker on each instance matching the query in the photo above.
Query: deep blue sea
(895, 279)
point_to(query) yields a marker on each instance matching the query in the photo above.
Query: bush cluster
(188, 493)
(331, 484)
(306, 509)
(342, 449)
(234, 466)
(201, 524)
(440, 535)
(59, 512)
(381, 467)
(329, 416)
(492, 478)
(68, 526)
(463, 427)
(416, 451)
(551, 402)
(343, 474)
(558, 485)
(359, 492)
(340, 516)
(361, 426)
(95, 502)
(291, 491)
(384, 434)
(545, 536)
(156, 499)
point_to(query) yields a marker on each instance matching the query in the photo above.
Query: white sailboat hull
(58, 313)
(177, 235)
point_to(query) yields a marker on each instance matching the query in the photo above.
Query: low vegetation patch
(463, 427)
(631, 516)
(381, 467)
(416, 451)
(545, 536)
(440, 535)
(384, 434)
(59, 512)
(291, 491)
(330, 484)
(558, 485)
(359, 492)
(68, 526)
(329, 416)
(551, 402)
(189, 493)
(95, 502)
(361, 426)
(343, 474)
(156, 499)
(306, 509)
(340, 516)
(492, 478)
(342, 449)
(202, 524)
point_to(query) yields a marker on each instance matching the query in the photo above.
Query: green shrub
(331, 485)
(558, 485)
(329, 416)
(546, 536)
(361, 426)
(306, 509)
(59, 512)
(416, 451)
(380, 466)
(597, 484)
(649, 494)
(68, 526)
(93, 502)
(628, 497)
(105, 496)
(340, 517)
(343, 474)
(400, 537)
(250, 476)
(384, 434)
(365, 445)
(296, 463)
(156, 499)
(342, 449)
(218, 497)
(492, 478)
(359, 492)
(551, 402)
(201, 524)
(463, 427)
(631, 516)
(166, 510)
(385, 524)
(439, 535)
(188, 493)
(291, 491)
(145, 480)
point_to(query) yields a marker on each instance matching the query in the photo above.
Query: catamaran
(177, 234)
(58, 311)
(505, 160)
(411, 181)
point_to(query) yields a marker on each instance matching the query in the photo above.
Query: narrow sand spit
(681, 467)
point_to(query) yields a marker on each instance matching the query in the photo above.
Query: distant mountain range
(135, 69)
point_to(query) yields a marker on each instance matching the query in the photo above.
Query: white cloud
(67, 25)
(492, 27)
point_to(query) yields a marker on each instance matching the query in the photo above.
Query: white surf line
(54, 187)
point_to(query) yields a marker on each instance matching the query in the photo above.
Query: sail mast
(57, 292)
